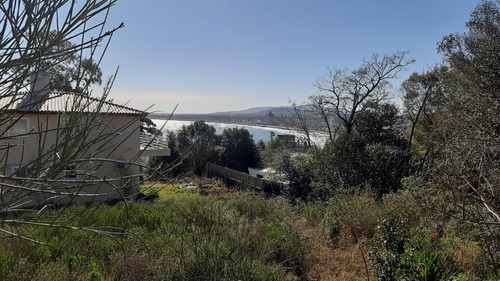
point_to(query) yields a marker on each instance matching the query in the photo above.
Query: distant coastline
(250, 117)
(259, 132)
(254, 117)
(221, 121)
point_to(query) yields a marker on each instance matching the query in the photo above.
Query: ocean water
(258, 132)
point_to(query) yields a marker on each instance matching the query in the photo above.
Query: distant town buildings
(270, 119)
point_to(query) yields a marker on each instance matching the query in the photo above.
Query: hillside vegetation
(395, 194)
(415, 188)
(213, 233)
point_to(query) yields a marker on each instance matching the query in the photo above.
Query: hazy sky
(221, 55)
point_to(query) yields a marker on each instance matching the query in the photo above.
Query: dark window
(70, 172)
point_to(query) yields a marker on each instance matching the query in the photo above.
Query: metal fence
(242, 180)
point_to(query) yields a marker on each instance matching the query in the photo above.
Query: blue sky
(221, 55)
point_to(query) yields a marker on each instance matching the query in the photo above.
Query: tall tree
(75, 72)
(374, 154)
(238, 149)
(198, 143)
(347, 92)
(380, 123)
(424, 100)
(424, 96)
(322, 108)
(472, 121)
(469, 126)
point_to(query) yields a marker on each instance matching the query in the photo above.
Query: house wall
(69, 141)
(288, 140)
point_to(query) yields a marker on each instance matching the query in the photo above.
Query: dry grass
(470, 257)
(133, 266)
(332, 260)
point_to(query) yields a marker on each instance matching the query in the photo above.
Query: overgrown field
(216, 234)
(185, 237)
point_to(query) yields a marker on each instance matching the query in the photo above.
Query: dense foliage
(186, 237)
(196, 144)
(393, 195)
(445, 141)
(238, 149)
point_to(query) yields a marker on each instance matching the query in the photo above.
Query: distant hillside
(255, 115)
(252, 116)
(246, 111)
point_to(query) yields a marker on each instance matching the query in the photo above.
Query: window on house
(26, 172)
(70, 172)
(20, 127)
(22, 171)
(71, 124)
(67, 120)
(15, 127)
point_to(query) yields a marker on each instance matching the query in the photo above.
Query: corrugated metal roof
(60, 102)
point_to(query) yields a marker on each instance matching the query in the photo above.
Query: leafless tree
(347, 92)
(322, 107)
(298, 121)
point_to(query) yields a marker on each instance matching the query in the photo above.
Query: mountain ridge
(252, 115)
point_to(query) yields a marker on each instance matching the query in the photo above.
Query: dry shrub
(405, 204)
(55, 272)
(470, 257)
(201, 182)
(359, 212)
(342, 260)
(132, 266)
(23, 270)
(339, 259)
(220, 193)
(345, 263)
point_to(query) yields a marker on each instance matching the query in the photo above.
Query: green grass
(182, 237)
(165, 191)
(187, 234)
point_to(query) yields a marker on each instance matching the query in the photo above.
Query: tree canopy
(347, 92)
(238, 149)
(198, 142)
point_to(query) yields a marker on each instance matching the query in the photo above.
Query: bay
(258, 132)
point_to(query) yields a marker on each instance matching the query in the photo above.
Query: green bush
(6, 263)
(299, 173)
(54, 271)
(332, 224)
(399, 252)
(312, 213)
(282, 246)
(388, 248)
(42, 254)
(240, 237)
(359, 212)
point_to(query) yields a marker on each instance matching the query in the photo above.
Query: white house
(60, 148)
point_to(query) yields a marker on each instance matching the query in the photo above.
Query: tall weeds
(184, 238)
